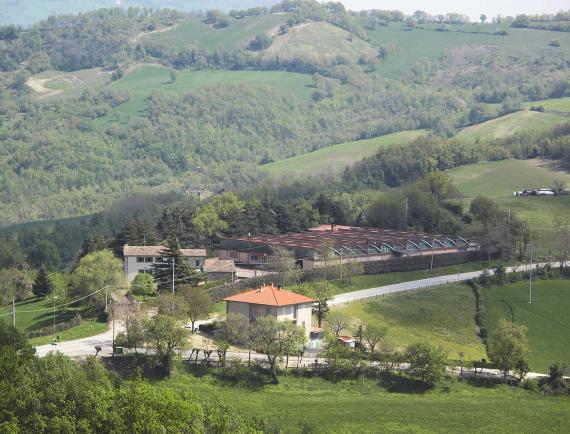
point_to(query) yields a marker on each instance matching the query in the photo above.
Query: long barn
(329, 243)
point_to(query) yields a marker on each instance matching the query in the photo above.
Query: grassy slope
(428, 43)
(546, 318)
(555, 104)
(234, 37)
(318, 40)
(145, 79)
(365, 407)
(417, 44)
(510, 124)
(335, 158)
(40, 315)
(498, 180)
(443, 316)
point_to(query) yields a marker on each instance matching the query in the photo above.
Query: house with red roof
(273, 300)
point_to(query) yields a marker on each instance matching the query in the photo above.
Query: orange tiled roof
(157, 251)
(270, 296)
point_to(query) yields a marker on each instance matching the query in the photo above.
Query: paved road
(416, 284)
(86, 346)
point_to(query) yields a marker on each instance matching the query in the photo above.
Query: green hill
(510, 124)
(418, 44)
(546, 318)
(333, 159)
(320, 41)
(145, 79)
(236, 36)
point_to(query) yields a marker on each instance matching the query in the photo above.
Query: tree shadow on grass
(251, 378)
(484, 382)
(401, 384)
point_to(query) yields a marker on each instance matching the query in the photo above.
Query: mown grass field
(35, 314)
(546, 318)
(499, 179)
(145, 79)
(510, 124)
(443, 316)
(236, 36)
(333, 159)
(370, 406)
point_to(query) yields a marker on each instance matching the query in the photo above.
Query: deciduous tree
(199, 304)
(508, 347)
(275, 339)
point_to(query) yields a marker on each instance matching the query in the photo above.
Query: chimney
(279, 287)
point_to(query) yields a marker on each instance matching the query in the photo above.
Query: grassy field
(443, 316)
(36, 314)
(510, 124)
(370, 406)
(546, 318)
(499, 179)
(555, 104)
(418, 44)
(236, 36)
(145, 79)
(333, 159)
(319, 40)
(427, 42)
(57, 84)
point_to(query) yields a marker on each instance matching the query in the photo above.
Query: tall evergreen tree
(184, 273)
(42, 285)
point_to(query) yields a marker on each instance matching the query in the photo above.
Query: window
(233, 255)
(197, 262)
(140, 259)
(157, 259)
(254, 257)
(148, 259)
(295, 311)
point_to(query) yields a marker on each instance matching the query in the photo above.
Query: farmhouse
(271, 300)
(139, 259)
(328, 244)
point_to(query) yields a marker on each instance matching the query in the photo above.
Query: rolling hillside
(145, 79)
(333, 159)
(236, 36)
(510, 124)
(320, 40)
(418, 44)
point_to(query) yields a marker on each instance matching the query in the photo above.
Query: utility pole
(406, 214)
(54, 297)
(530, 278)
(173, 275)
(106, 298)
(13, 312)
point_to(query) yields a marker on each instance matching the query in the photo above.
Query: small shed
(347, 341)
